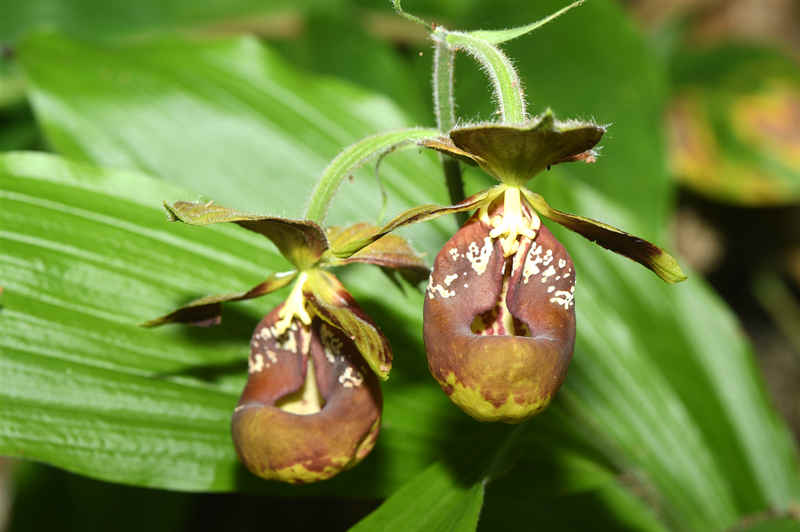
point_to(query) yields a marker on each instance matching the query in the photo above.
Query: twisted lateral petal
(207, 311)
(414, 215)
(310, 409)
(329, 300)
(647, 254)
(389, 251)
(499, 332)
(302, 242)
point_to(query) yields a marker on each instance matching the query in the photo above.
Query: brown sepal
(302, 242)
(514, 154)
(207, 311)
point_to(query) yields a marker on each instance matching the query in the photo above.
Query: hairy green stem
(445, 109)
(501, 73)
(352, 158)
(443, 89)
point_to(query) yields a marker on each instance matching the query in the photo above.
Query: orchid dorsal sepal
(645, 253)
(302, 242)
(414, 215)
(207, 311)
(515, 154)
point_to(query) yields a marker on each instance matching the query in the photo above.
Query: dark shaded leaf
(433, 500)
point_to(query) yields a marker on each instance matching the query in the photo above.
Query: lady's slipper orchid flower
(499, 315)
(312, 405)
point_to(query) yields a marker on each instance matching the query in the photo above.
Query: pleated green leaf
(433, 500)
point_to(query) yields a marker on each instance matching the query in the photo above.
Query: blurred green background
(703, 156)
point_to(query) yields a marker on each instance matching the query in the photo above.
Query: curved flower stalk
(499, 315)
(312, 404)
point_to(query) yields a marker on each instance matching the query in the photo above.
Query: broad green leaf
(433, 500)
(278, 129)
(772, 524)
(96, 17)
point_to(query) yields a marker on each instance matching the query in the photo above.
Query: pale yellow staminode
(514, 222)
(307, 400)
(295, 306)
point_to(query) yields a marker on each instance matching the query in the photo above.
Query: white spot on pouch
(549, 272)
(256, 363)
(564, 298)
(443, 292)
(479, 257)
(351, 378)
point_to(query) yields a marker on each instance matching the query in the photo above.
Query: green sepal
(414, 215)
(514, 154)
(207, 311)
(389, 251)
(331, 301)
(501, 36)
(648, 255)
(302, 242)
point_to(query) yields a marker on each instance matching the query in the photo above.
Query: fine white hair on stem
(443, 85)
(500, 71)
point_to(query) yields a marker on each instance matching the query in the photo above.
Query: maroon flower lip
(500, 331)
(311, 407)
